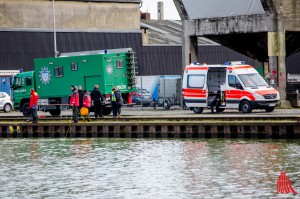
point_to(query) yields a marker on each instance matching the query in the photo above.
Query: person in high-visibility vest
(116, 102)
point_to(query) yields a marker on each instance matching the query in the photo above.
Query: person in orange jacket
(74, 102)
(33, 103)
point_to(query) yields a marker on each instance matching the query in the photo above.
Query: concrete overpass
(266, 30)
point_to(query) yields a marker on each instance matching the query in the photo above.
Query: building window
(74, 66)
(119, 64)
(58, 71)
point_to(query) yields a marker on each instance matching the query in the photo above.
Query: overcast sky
(170, 12)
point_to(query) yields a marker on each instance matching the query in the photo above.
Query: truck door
(233, 92)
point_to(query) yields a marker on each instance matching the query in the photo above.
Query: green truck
(53, 77)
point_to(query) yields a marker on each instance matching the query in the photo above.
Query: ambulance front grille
(270, 96)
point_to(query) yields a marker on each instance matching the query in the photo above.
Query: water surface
(146, 168)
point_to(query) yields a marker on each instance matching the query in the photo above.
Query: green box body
(52, 77)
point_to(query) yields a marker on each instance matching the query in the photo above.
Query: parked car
(136, 98)
(142, 94)
(5, 102)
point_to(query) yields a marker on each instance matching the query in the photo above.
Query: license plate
(271, 105)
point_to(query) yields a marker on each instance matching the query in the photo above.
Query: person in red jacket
(74, 102)
(33, 103)
(87, 102)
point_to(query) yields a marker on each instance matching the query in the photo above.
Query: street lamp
(54, 29)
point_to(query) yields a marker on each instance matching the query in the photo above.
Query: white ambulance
(241, 87)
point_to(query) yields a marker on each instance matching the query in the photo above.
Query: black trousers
(98, 109)
(114, 107)
(216, 103)
(75, 113)
(33, 113)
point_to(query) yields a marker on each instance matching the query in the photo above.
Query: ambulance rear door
(195, 90)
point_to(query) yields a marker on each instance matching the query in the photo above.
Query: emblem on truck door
(45, 76)
(109, 69)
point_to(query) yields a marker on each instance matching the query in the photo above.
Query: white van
(241, 87)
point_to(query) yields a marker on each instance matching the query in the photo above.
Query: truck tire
(55, 112)
(198, 110)
(7, 108)
(26, 109)
(246, 107)
(270, 109)
(106, 111)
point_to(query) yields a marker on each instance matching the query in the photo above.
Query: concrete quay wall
(209, 129)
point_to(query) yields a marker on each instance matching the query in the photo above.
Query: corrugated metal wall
(18, 49)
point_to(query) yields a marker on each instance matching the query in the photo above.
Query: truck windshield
(252, 80)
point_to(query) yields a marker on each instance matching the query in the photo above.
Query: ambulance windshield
(252, 80)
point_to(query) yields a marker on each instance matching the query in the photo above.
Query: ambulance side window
(234, 82)
(195, 81)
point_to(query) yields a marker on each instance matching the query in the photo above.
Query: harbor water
(146, 168)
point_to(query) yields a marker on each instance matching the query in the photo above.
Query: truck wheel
(26, 109)
(198, 110)
(246, 107)
(55, 112)
(270, 109)
(7, 108)
(106, 111)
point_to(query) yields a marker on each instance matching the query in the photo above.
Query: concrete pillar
(145, 35)
(160, 10)
(282, 64)
(189, 46)
(281, 59)
(272, 53)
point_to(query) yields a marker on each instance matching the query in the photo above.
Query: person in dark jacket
(74, 102)
(81, 94)
(216, 102)
(116, 102)
(96, 96)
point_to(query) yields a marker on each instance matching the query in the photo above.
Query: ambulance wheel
(106, 111)
(198, 110)
(246, 107)
(26, 109)
(55, 112)
(270, 109)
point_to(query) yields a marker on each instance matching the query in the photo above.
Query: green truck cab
(53, 77)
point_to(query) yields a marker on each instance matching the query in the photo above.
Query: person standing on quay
(116, 102)
(74, 102)
(96, 96)
(33, 103)
(81, 94)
